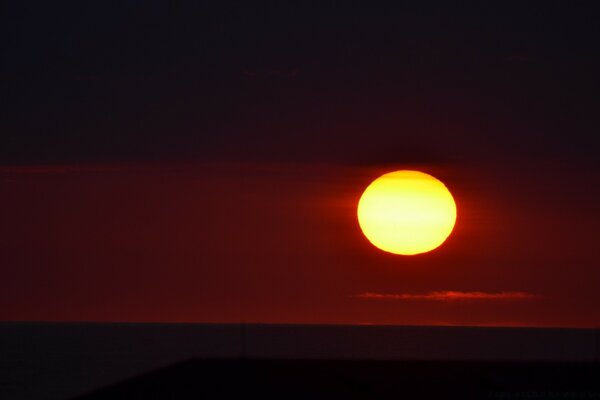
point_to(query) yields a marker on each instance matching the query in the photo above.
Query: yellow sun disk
(406, 212)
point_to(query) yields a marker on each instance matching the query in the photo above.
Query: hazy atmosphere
(177, 162)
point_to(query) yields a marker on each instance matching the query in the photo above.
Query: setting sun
(406, 212)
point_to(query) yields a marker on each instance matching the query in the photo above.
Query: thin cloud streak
(449, 295)
(68, 169)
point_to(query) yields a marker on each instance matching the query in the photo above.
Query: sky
(180, 162)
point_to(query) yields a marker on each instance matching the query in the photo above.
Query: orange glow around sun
(406, 212)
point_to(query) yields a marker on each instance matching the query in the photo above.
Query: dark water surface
(64, 360)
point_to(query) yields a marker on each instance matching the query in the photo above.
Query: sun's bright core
(406, 212)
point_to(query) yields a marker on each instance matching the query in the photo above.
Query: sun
(406, 212)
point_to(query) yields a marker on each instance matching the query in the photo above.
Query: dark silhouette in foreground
(325, 379)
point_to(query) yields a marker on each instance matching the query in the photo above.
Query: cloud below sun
(448, 295)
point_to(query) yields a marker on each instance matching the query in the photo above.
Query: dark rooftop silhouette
(355, 379)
